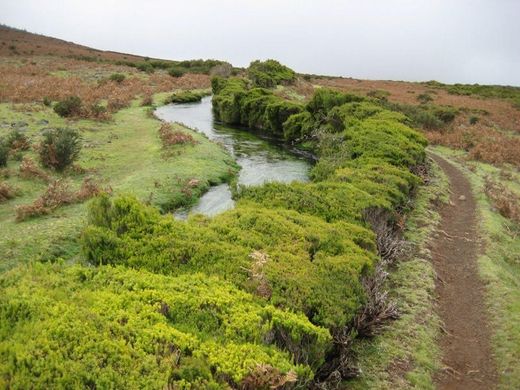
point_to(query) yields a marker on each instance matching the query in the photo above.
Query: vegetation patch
(185, 97)
(270, 73)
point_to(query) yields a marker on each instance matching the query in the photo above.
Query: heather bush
(59, 148)
(68, 107)
(16, 140)
(185, 97)
(175, 71)
(117, 77)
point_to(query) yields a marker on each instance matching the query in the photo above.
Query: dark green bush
(325, 99)
(145, 67)
(117, 77)
(68, 107)
(47, 101)
(185, 97)
(176, 71)
(17, 140)
(59, 148)
(4, 153)
(270, 73)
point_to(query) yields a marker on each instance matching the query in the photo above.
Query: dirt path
(467, 359)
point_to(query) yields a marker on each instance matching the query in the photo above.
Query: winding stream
(261, 160)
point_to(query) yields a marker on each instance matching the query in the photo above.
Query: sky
(466, 41)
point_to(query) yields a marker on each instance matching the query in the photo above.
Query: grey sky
(447, 40)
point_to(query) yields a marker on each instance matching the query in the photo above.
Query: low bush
(185, 97)
(56, 195)
(16, 140)
(59, 148)
(170, 137)
(175, 71)
(504, 200)
(117, 77)
(145, 67)
(270, 73)
(190, 331)
(4, 153)
(69, 107)
(6, 192)
(28, 170)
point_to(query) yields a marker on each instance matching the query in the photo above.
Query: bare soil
(467, 355)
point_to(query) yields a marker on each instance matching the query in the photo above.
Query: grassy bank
(406, 354)
(499, 262)
(124, 154)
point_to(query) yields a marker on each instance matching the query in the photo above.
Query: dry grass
(506, 202)
(6, 192)
(33, 82)
(57, 194)
(170, 137)
(482, 142)
(29, 169)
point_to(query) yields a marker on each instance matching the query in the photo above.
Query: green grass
(124, 154)
(499, 265)
(406, 354)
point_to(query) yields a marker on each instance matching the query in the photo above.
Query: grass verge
(125, 154)
(406, 354)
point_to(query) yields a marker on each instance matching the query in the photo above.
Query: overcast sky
(447, 40)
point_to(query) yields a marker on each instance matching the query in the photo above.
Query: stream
(261, 159)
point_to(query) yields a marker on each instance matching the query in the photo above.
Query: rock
(19, 124)
(462, 197)
(42, 122)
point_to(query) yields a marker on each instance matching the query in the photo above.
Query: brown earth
(467, 357)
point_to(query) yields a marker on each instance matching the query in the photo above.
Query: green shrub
(325, 99)
(117, 77)
(59, 148)
(237, 244)
(17, 140)
(424, 98)
(145, 67)
(68, 107)
(83, 327)
(47, 101)
(4, 153)
(185, 97)
(270, 73)
(175, 71)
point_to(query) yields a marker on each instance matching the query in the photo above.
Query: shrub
(170, 137)
(4, 153)
(6, 192)
(16, 140)
(59, 148)
(270, 73)
(185, 97)
(424, 98)
(47, 101)
(117, 77)
(473, 120)
(190, 331)
(145, 67)
(175, 71)
(71, 106)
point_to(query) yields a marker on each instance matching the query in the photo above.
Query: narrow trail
(467, 355)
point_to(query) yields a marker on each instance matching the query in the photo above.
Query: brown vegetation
(29, 169)
(171, 137)
(505, 201)
(6, 192)
(56, 195)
